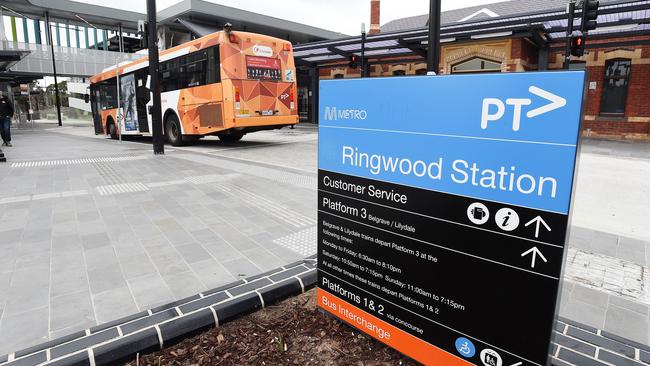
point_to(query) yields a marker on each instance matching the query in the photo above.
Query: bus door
(96, 109)
(142, 96)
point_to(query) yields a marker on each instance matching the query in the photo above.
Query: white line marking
(446, 135)
(441, 191)
(444, 220)
(442, 247)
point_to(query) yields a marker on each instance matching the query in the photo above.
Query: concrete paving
(92, 230)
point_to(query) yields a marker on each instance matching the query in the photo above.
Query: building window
(338, 76)
(421, 72)
(476, 64)
(399, 73)
(617, 75)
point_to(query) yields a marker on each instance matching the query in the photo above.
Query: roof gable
(477, 13)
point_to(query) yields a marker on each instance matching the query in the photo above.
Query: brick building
(514, 36)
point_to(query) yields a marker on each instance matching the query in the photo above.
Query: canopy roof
(618, 17)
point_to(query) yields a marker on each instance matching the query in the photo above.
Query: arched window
(338, 76)
(421, 72)
(399, 73)
(476, 64)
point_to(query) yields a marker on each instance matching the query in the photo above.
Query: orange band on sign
(402, 341)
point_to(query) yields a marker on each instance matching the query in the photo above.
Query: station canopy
(621, 18)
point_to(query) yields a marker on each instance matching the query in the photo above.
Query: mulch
(293, 332)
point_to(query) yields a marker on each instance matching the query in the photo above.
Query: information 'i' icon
(507, 219)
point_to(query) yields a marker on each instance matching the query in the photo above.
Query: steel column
(25, 30)
(433, 53)
(56, 83)
(37, 31)
(154, 72)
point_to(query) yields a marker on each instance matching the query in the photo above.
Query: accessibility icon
(478, 213)
(507, 219)
(465, 347)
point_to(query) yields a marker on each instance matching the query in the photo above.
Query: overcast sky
(343, 16)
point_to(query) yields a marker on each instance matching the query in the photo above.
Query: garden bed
(292, 332)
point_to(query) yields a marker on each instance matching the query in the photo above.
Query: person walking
(6, 112)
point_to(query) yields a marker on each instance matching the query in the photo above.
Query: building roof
(543, 25)
(78, 13)
(476, 13)
(213, 16)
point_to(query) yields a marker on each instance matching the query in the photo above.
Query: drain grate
(42, 163)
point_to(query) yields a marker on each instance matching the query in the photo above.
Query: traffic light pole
(569, 33)
(154, 67)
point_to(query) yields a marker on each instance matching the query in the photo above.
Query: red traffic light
(578, 46)
(353, 62)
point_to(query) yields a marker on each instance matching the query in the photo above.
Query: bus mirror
(86, 98)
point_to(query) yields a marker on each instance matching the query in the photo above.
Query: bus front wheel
(173, 131)
(231, 137)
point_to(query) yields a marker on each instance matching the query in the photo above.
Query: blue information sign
(505, 137)
(443, 209)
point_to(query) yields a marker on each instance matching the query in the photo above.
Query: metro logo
(333, 114)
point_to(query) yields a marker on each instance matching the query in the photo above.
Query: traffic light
(578, 45)
(589, 16)
(353, 62)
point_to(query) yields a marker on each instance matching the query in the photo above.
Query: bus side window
(169, 74)
(108, 94)
(193, 69)
(214, 65)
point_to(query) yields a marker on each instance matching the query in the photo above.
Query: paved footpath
(92, 230)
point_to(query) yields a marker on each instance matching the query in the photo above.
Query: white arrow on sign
(535, 252)
(540, 221)
(556, 102)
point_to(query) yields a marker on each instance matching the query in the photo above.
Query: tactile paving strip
(42, 163)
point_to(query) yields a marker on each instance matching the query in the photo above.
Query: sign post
(443, 208)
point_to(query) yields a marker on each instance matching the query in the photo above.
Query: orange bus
(226, 84)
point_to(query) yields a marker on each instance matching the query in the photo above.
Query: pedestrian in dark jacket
(6, 112)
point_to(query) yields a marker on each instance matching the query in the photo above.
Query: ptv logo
(490, 114)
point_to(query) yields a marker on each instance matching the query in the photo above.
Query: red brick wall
(637, 105)
(374, 16)
(638, 92)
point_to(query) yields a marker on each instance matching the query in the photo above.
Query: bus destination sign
(443, 208)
